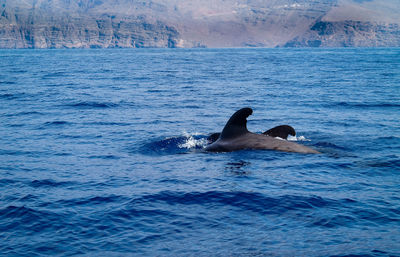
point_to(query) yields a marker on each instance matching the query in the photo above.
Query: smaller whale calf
(282, 131)
(235, 136)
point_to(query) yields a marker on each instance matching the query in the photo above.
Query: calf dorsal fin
(282, 131)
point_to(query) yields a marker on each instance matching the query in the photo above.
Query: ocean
(102, 153)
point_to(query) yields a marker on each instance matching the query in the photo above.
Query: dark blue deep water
(101, 153)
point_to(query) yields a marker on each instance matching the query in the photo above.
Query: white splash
(191, 142)
(300, 138)
(187, 134)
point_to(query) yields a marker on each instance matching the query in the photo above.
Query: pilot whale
(282, 131)
(235, 136)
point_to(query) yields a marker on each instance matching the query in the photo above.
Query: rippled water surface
(102, 153)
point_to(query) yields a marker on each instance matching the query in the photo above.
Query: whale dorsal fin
(236, 125)
(282, 131)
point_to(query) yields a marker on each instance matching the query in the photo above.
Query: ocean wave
(390, 163)
(394, 163)
(108, 123)
(22, 153)
(92, 105)
(372, 253)
(28, 198)
(105, 157)
(53, 75)
(56, 123)
(91, 201)
(353, 212)
(7, 182)
(249, 201)
(49, 183)
(334, 221)
(329, 145)
(15, 218)
(175, 145)
(8, 82)
(121, 215)
(9, 96)
(364, 105)
(11, 212)
(24, 113)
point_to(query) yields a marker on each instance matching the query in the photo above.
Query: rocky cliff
(52, 26)
(359, 23)
(348, 34)
(203, 23)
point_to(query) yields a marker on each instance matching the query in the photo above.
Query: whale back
(282, 131)
(237, 124)
(235, 136)
(257, 141)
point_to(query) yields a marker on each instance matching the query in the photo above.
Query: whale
(235, 136)
(281, 131)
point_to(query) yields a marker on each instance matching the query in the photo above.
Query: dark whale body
(282, 131)
(235, 136)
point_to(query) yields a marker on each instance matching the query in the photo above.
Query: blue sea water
(101, 153)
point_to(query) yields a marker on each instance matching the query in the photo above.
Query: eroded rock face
(204, 23)
(348, 34)
(48, 26)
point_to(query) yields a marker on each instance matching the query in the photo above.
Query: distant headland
(204, 23)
